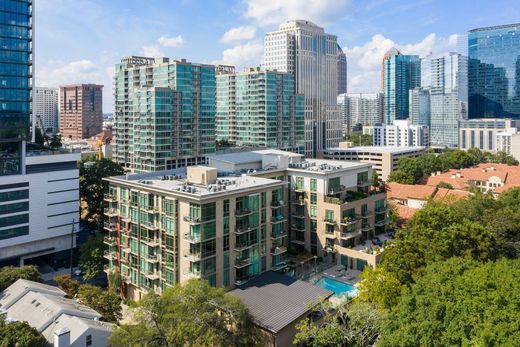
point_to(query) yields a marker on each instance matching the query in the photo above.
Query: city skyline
(107, 31)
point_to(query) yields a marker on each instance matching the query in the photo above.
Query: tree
(91, 260)
(19, 334)
(360, 139)
(39, 138)
(105, 302)
(55, 141)
(458, 302)
(191, 314)
(380, 287)
(67, 284)
(91, 185)
(444, 185)
(375, 179)
(402, 177)
(352, 324)
(10, 274)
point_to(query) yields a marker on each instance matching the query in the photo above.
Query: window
(314, 198)
(299, 183)
(334, 184)
(490, 140)
(88, 340)
(481, 139)
(314, 185)
(329, 215)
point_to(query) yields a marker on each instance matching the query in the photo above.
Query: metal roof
(276, 301)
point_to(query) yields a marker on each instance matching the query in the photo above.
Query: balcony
(126, 279)
(382, 222)
(192, 220)
(241, 263)
(365, 215)
(109, 197)
(346, 221)
(299, 202)
(366, 228)
(279, 266)
(329, 248)
(151, 242)
(298, 214)
(192, 238)
(380, 210)
(350, 235)
(151, 209)
(109, 255)
(152, 258)
(278, 250)
(192, 256)
(110, 226)
(109, 240)
(242, 246)
(191, 273)
(277, 219)
(330, 221)
(278, 235)
(243, 230)
(363, 184)
(277, 204)
(111, 212)
(150, 225)
(298, 227)
(153, 275)
(330, 235)
(299, 189)
(243, 212)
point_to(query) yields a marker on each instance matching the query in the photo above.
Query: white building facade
(484, 133)
(39, 207)
(45, 109)
(358, 110)
(311, 55)
(400, 134)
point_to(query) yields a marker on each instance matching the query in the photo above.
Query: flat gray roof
(276, 301)
(376, 149)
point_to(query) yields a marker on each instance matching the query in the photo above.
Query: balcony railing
(109, 240)
(330, 235)
(152, 258)
(299, 202)
(381, 209)
(277, 204)
(190, 219)
(278, 250)
(193, 238)
(110, 226)
(109, 255)
(192, 256)
(298, 227)
(382, 222)
(328, 220)
(350, 235)
(152, 275)
(241, 246)
(240, 263)
(277, 219)
(111, 212)
(348, 221)
(109, 197)
(278, 235)
(243, 230)
(243, 212)
(150, 225)
(152, 242)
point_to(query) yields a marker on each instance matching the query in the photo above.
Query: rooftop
(276, 301)
(377, 149)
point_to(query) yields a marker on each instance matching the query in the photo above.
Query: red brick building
(81, 110)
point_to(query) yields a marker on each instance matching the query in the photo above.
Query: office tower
(448, 98)
(81, 110)
(15, 82)
(342, 71)
(358, 110)
(402, 133)
(45, 109)
(164, 113)
(494, 72)
(304, 49)
(420, 106)
(219, 224)
(400, 73)
(258, 108)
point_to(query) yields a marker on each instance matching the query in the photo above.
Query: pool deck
(338, 273)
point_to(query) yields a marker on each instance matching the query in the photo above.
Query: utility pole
(72, 244)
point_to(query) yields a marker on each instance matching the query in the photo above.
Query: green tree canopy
(459, 302)
(359, 139)
(192, 314)
(10, 274)
(105, 302)
(91, 260)
(67, 284)
(379, 286)
(19, 334)
(91, 185)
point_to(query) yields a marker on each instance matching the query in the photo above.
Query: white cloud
(176, 41)
(246, 55)
(364, 62)
(269, 12)
(81, 71)
(246, 32)
(152, 51)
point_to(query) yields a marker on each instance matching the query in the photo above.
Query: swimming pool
(340, 289)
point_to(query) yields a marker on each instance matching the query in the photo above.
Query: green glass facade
(165, 113)
(260, 109)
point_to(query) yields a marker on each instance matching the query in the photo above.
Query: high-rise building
(400, 73)
(15, 82)
(402, 133)
(45, 109)
(258, 108)
(164, 113)
(216, 223)
(494, 72)
(420, 111)
(81, 110)
(448, 98)
(342, 71)
(358, 110)
(304, 49)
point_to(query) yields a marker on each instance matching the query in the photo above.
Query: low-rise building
(39, 207)
(383, 158)
(57, 318)
(236, 219)
(482, 133)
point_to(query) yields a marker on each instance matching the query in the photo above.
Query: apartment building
(402, 133)
(81, 110)
(358, 110)
(482, 133)
(383, 159)
(164, 113)
(236, 218)
(45, 109)
(258, 108)
(39, 207)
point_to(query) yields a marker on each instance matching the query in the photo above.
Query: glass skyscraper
(400, 74)
(15, 81)
(494, 72)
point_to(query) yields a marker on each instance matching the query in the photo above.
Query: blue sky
(81, 40)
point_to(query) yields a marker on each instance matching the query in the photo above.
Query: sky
(80, 41)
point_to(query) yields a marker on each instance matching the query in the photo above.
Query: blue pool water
(340, 289)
